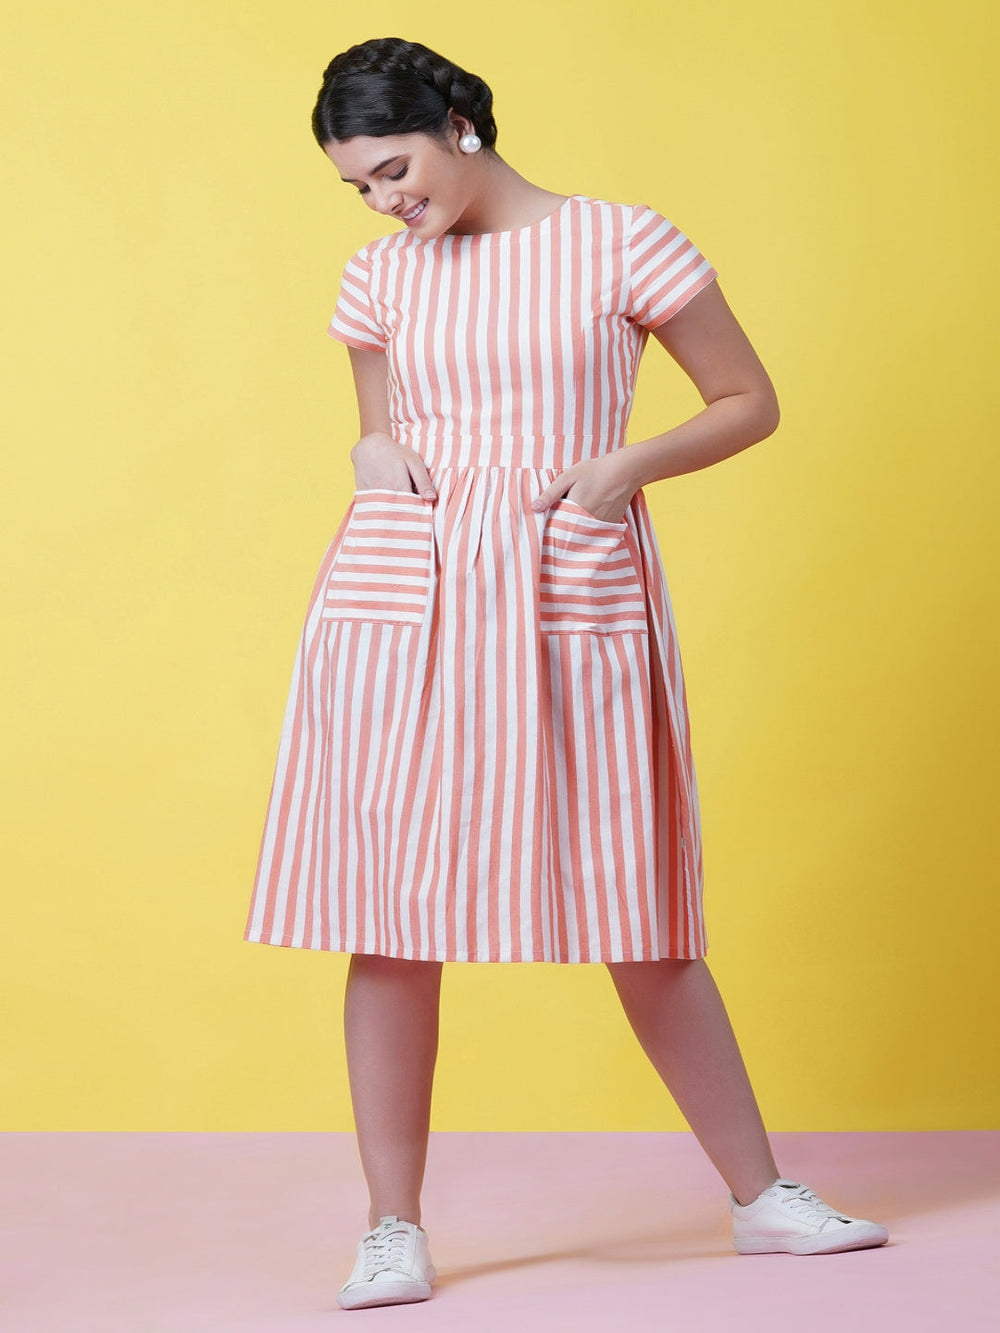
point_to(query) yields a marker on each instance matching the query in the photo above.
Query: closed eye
(398, 177)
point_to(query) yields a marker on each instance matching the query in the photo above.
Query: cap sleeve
(355, 320)
(665, 268)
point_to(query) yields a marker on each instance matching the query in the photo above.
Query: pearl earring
(469, 143)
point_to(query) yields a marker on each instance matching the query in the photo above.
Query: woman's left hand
(601, 485)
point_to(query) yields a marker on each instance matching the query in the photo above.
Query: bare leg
(391, 1008)
(677, 1013)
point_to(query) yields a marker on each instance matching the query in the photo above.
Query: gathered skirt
(485, 754)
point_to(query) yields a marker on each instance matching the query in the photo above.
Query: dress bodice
(518, 348)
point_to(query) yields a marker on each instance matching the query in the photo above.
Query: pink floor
(253, 1233)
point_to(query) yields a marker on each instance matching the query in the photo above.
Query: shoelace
(384, 1249)
(810, 1205)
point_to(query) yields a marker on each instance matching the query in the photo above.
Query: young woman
(485, 755)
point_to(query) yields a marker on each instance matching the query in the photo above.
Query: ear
(460, 124)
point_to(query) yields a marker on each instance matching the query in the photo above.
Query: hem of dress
(352, 341)
(465, 958)
(699, 286)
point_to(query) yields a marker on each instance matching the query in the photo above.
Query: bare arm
(378, 459)
(371, 383)
(707, 342)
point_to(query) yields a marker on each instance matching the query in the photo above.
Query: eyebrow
(349, 180)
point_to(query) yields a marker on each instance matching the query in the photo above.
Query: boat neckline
(510, 231)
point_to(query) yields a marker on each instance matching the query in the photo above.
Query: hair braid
(388, 85)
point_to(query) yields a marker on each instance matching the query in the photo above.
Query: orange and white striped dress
(485, 754)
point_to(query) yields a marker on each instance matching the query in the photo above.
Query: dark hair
(391, 86)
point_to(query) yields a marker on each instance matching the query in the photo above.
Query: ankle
(405, 1216)
(744, 1199)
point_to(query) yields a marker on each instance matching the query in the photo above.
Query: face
(394, 174)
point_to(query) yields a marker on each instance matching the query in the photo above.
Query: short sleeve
(665, 268)
(354, 320)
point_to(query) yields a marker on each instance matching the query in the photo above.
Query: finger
(423, 483)
(547, 497)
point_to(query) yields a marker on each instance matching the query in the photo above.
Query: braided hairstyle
(391, 86)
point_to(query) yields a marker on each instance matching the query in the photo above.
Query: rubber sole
(860, 1240)
(368, 1294)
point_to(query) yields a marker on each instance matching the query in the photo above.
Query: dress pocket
(589, 579)
(382, 570)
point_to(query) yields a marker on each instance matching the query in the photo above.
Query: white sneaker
(393, 1266)
(787, 1217)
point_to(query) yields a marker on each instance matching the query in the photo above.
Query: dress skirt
(485, 754)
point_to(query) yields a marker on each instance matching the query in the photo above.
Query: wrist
(634, 466)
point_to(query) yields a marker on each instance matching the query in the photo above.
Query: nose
(384, 206)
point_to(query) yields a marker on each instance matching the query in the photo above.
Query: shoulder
(374, 251)
(605, 211)
(623, 212)
(634, 216)
(633, 224)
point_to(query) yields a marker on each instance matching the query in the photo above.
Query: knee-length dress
(485, 754)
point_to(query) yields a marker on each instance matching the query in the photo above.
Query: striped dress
(485, 754)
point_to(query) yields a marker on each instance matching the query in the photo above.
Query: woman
(485, 755)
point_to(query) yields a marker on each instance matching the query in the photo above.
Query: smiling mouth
(414, 213)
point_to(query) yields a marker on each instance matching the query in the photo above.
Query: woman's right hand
(381, 462)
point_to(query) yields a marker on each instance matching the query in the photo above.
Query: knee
(382, 963)
(657, 970)
(674, 964)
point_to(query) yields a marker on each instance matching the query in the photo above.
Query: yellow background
(177, 459)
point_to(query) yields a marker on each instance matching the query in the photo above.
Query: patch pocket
(382, 571)
(589, 579)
